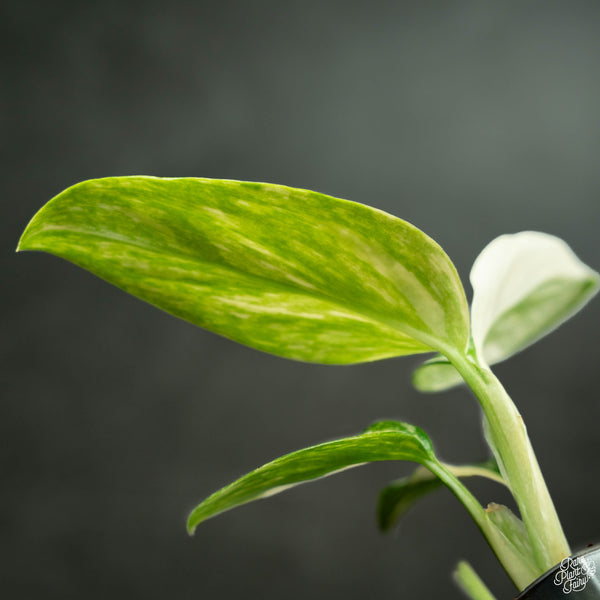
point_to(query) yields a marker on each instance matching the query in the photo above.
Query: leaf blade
(387, 440)
(291, 272)
(524, 286)
(436, 375)
(396, 499)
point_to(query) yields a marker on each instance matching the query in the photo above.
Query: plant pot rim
(577, 576)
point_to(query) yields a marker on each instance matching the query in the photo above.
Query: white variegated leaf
(524, 286)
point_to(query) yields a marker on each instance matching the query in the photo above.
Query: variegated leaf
(386, 440)
(288, 271)
(524, 286)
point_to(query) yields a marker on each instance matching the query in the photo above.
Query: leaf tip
(191, 526)
(22, 244)
(27, 241)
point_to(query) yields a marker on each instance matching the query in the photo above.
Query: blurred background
(468, 119)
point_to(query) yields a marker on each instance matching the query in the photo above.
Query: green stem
(517, 563)
(461, 471)
(471, 583)
(518, 463)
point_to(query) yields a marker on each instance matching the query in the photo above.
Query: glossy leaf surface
(387, 440)
(291, 272)
(524, 286)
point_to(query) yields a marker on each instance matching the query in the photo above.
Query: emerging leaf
(513, 533)
(387, 440)
(524, 286)
(291, 272)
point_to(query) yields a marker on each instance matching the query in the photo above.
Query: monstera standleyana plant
(314, 278)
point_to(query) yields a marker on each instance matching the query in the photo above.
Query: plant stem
(518, 463)
(471, 583)
(519, 565)
(461, 471)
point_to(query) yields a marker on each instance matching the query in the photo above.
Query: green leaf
(287, 271)
(524, 286)
(436, 375)
(386, 440)
(504, 537)
(399, 496)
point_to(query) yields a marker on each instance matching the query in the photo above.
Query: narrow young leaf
(524, 286)
(386, 440)
(287, 271)
(396, 499)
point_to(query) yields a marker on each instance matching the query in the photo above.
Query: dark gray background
(468, 119)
